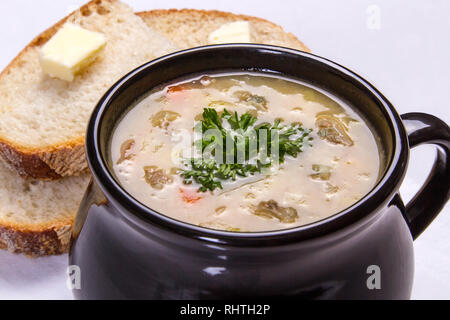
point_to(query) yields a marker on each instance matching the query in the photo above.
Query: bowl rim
(144, 216)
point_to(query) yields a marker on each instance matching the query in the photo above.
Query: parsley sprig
(255, 152)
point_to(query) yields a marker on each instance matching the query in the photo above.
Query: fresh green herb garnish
(209, 174)
(243, 148)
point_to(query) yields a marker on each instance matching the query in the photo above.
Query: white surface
(407, 59)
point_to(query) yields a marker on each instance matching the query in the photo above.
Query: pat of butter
(71, 50)
(235, 32)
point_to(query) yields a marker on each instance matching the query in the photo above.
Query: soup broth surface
(152, 144)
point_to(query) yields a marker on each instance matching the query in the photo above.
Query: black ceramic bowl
(127, 251)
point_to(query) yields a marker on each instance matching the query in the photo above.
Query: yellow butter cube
(70, 51)
(235, 32)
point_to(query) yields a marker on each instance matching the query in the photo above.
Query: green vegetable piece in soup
(333, 130)
(271, 210)
(163, 119)
(322, 172)
(126, 151)
(220, 103)
(313, 95)
(157, 178)
(259, 102)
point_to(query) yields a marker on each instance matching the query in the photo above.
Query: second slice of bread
(190, 28)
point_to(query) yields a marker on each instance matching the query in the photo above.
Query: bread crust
(36, 241)
(27, 165)
(36, 244)
(53, 163)
(68, 159)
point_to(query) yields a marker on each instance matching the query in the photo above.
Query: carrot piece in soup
(190, 197)
(178, 93)
(175, 89)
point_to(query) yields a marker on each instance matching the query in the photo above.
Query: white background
(408, 59)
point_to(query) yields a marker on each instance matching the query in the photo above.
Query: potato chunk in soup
(244, 153)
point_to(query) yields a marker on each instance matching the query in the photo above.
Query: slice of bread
(42, 119)
(36, 216)
(190, 28)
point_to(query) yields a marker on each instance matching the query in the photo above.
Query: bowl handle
(423, 128)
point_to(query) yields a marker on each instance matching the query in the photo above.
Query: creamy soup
(281, 154)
